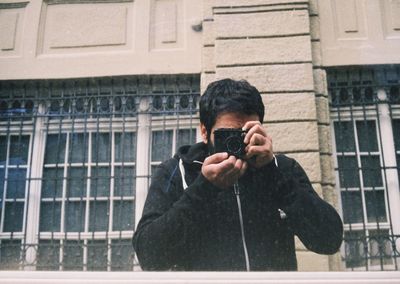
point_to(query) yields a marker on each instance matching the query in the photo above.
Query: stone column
(271, 44)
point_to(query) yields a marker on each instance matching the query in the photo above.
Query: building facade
(94, 94)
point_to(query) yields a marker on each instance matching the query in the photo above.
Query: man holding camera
(228, 203)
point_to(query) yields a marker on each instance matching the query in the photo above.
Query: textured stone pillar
(272, 44)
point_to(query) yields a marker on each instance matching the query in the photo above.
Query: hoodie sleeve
(312, 219)
(167, 229)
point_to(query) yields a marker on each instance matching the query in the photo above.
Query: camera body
(230, 140)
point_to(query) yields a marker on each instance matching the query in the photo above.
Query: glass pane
(185, 137)
(100, 182)
(73, 255)
(125, 147)
(348, 172)
(75, 216)
(124, 181)
(161, 145)
(101, 148)
(50, 216)
(55, 148)
(371, 171)
(13, 216)
(344, 136)
(19, 149)
(52, 182)
(98, 216)
(376, 209)
(78, 148)
(16, 183)
(3, 150)
(97, 255)
(123, 215)
(367, 139)
(76, 182)
(380, 247)
(352, 207)
(121, 255)
(396, 133)
(48, 255)
(10, 254)
(355, 252)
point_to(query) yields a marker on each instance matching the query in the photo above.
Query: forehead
(233, 120)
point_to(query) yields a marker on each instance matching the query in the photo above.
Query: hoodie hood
(195, 153)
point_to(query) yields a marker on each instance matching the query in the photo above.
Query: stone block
(309, 261)
(313, 7)
(206, 78)
(322, 104)
(310, 162)
(208, 63)
(262, 24)
(272, 78)
(289, 106)
(294, 136)
(327, 169)
(320, 81)
(263, 50)
(325, 139)
(208, 33)
(316, 53)
(208, 8)
(315, 25)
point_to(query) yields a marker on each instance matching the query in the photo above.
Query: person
(212, 211)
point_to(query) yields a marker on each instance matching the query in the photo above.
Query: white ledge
(33, 277)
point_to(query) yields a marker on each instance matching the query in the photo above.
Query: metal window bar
(365, 108)
(75, 163)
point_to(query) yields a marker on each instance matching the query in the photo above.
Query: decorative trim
(57, 2)
(19, 277)
(13, 5)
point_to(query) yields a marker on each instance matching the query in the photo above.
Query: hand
(223, 170)
(259, 144)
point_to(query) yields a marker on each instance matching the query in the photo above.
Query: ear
(203, 131)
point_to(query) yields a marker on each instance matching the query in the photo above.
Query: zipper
(246, 254)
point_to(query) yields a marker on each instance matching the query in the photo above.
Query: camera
(230, 140)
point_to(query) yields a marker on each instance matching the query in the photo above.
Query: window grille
(75, 163)
(365, 113)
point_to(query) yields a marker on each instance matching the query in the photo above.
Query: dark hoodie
(198, 228)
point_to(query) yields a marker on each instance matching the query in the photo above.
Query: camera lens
(234, 145)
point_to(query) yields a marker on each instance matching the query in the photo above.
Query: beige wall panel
(11, 28)
(272, 78)
(107, 38)
(359, 32)
(206, 78)
(76, 27)
(208, 33)
(294, 136)
(391, 18)
(310, 162)
(262, 24)
(263, 50)
(165, 32)
(286, 107)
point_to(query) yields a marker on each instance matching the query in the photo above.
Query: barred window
(365, 112)
(75, 163)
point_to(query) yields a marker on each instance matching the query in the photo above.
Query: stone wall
(274, 44)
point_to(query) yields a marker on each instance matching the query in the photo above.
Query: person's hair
(229, 96)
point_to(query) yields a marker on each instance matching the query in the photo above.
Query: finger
(255, 129)
(250, 124)
(258, 150)
(234, 173)
(216, 158)
(225, 166)
(257, 139)
(244, 168)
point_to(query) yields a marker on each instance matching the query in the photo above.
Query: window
(75, 163)
(365, 112)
